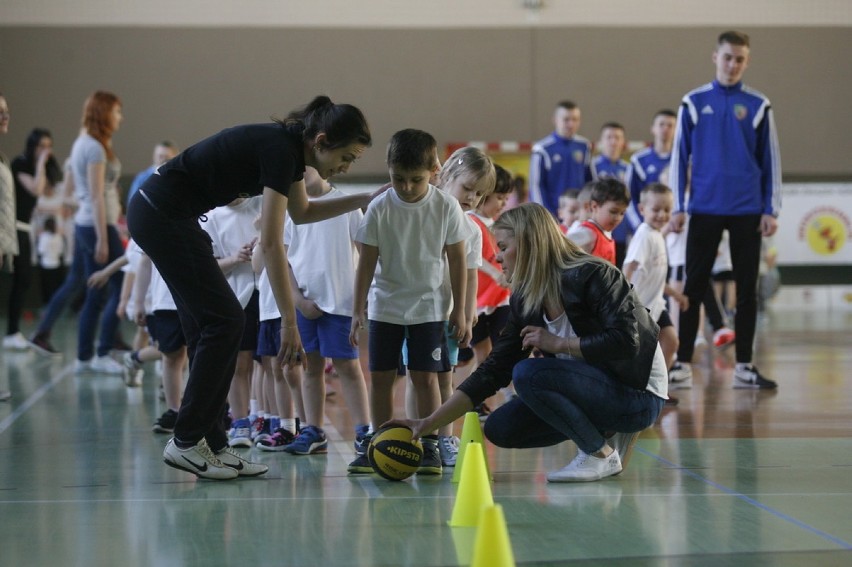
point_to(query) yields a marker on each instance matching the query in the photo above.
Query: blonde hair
(542, 253)
(469, 160)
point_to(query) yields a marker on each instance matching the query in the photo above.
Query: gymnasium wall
(461, 83)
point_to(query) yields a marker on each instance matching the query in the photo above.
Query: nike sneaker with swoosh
(198, 460)
(237, 462)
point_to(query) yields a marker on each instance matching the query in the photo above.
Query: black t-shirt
(25, 202)
(236, 162)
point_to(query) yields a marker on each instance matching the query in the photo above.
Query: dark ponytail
(343, 124)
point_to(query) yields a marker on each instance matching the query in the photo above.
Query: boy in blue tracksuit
(727, 133)
(561, 161)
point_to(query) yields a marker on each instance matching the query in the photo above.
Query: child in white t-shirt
(407, 236)
(646, 264)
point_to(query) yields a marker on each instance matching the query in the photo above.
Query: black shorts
(252, 326)
(490, 326)
(664, 320)
(427, 346)
(167, 331)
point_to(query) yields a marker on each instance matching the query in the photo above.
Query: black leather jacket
(616, 332)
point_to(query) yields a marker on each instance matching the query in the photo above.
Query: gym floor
(728, 477)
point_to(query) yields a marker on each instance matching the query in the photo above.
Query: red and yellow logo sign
(825, 229)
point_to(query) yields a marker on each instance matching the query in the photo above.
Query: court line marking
(35, 397)
(749, 500)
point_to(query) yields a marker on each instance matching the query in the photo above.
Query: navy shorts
(452, 350)
(664, 320)
(491, 325)
(328, 335)
(167, 331)
(269, 337)
(427, 346)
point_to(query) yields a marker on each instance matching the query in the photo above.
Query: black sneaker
(431, 463)
(166, 422)
(749, 377)
(41, 345)
(361, 464)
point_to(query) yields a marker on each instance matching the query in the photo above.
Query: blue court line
(30, 402)
(748, 500)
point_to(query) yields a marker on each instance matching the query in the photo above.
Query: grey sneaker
(243, 466)
(361, 464)
(198, 460)
(431, 463)
(587, 468)
(448, 446)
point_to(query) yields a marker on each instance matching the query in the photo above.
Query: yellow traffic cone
(471, 432)
(492, 547)
(474, 492)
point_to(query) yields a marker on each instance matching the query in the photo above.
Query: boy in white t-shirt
(233, 234)
(407, 236)
(646, 264)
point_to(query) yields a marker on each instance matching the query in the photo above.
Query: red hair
(96, 120)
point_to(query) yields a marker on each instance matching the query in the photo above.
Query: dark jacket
(616, 332)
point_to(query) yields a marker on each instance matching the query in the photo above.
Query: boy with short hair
(569, 209)
(607, 204)
(646, 264)
(405, 236)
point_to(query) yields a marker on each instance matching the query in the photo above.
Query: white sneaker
(244, 467)
(198, 460)
(587, 468)
(83, 366)
(748, 377)
(680, 376)
(132, 370)
(105, 365)
(15, 341)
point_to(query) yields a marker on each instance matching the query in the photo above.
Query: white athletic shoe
(198, 460)
(587, 468)
(243, 466)
(15, 341)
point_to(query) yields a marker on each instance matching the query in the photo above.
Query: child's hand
(291, 353)
(457, 325)
(355, 329)
(308, 308)
(682, 300)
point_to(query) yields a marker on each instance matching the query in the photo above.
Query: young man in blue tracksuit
(648, 164)
(726, 130)
(608, 163)
(561, 161)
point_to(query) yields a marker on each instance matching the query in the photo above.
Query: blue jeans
(561, 399)
(106, 298)
(74, 283)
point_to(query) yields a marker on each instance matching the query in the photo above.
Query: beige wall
(498, 83)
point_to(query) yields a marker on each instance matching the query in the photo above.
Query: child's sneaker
(680, 376)
(260, 429)
(748, 377)
(361, 464)
(362, 439)
(723, 337)
(587, 468)
(276, 442)
(431, 462)
(132, 370)
(198, 460)
(240, 434)
(166, 422)
(310, 441)
(244, 467)
(448, 446)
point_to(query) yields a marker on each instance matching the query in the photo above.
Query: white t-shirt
(51, 245)
(658, 382)
(134, 254)
(87, 151)
(676, 245)
(409, 287)
(323, 258)
(268, 309)
(230, 228)
(723, 261)
(648, 249)
(159, 294)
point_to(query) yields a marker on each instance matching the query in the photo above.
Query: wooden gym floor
(729, 477)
